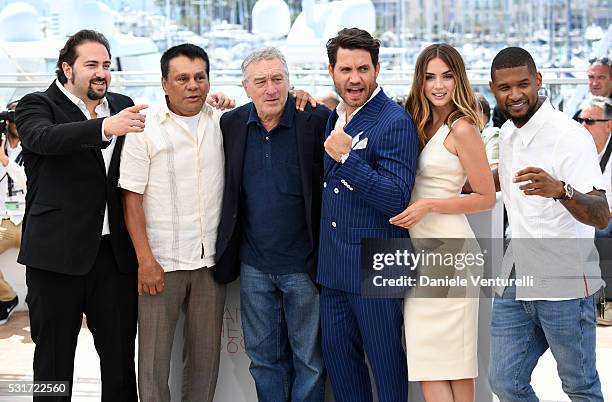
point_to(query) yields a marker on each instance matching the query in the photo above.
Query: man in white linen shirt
(553, 191)
(173, 177)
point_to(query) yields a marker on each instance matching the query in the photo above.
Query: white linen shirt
(181, 178)
(562, 147)
(102, 110)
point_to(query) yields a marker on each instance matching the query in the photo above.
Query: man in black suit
(269, 229)
(78, 254)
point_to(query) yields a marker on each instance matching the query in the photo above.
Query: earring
(543, 91)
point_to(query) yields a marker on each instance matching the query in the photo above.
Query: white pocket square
(361, 144)
(356, 139)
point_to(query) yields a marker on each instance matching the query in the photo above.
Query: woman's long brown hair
(463, 96)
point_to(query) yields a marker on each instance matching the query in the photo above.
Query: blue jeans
(521, 331)
(282, 337)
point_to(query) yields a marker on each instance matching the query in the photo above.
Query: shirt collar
(341, 108)
(164, 111)
(286, 119)
(76, 100)
(533, 125)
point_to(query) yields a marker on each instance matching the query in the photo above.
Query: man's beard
(520, 121)
(351, 103)
(93, 95)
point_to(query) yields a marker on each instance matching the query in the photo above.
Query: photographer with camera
(12, 200)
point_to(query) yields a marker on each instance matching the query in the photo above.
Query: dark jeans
(280, 320)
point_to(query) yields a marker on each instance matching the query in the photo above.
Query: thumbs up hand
(337, 144)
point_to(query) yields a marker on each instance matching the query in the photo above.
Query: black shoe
(7, 308)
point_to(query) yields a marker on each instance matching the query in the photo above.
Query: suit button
(324, 184)
(102, 212)
(336, 191)
(334, 224)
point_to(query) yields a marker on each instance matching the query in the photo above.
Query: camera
(7, 115)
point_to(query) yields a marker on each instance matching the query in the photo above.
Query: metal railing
(559, 83)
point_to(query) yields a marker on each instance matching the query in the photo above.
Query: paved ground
(16, 350)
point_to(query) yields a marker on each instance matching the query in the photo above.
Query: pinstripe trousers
(353, 327)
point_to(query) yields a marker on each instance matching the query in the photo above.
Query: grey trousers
(202, 300)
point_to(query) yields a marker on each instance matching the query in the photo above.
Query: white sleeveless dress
(441, 333)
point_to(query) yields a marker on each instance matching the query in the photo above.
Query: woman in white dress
(441, 333)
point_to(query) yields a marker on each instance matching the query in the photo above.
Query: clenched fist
(337, 144)
(129, 120)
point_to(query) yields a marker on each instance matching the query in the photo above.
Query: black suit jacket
(310, 132)
(67, 187)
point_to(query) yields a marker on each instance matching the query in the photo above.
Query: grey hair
(601, 102)
(266, 53)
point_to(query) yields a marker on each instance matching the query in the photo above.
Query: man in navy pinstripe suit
(370, 163)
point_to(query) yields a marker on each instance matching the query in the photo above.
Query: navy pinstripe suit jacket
(372, 185)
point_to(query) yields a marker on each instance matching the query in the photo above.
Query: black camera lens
(7, 115)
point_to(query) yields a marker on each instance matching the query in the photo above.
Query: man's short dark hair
(606, 61)
(188, 50)
(352, 38)
(512, 57)
(68, 54)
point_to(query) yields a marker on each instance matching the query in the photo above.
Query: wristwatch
(569, 192)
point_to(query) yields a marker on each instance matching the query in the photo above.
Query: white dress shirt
(561, 257)
(181, 177)
(102, 110)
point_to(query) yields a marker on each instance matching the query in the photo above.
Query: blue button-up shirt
(275, 239)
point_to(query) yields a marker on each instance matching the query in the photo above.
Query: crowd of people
(136, 213)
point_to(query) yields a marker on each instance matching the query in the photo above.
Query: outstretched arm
(40, 133)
